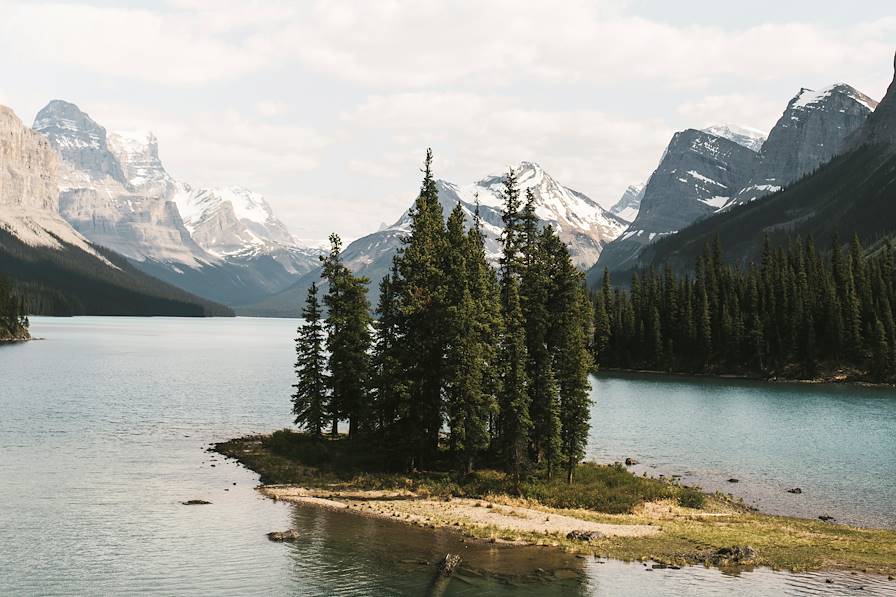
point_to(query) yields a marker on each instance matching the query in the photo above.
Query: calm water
(104, 425)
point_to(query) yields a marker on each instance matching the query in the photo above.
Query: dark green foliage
(348, 341)
(70, 281)
(501, 366)
(309, 403)
(689, 497)
(13, 318)
(794, 314)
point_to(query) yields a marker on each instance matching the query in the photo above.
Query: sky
(327, 108)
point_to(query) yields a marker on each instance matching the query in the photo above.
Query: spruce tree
(348, 341)
(310, 399)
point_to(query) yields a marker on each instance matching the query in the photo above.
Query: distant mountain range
(852, 194)
(99, 210)
(584, 225)
(56, 268)
(703, 172)
(222, 244)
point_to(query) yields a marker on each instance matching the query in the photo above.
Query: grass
(694, 525)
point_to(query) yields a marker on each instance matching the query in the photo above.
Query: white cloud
(744, 109)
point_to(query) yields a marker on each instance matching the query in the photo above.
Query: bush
(690, 497)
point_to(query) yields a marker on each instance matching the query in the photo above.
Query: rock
(733, 480)
(795, 490)
(827, 518)
(733, 555)
(195, 503)
(829, 581)
(449, 564)
(630, 462)
(583, 535)
(281, 536)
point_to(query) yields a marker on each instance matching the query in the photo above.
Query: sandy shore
(480, 517)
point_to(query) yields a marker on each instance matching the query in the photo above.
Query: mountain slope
(57, 270)
(582, 224)
(854, 194)
(698, 174)
(630, 203)
(116, 192)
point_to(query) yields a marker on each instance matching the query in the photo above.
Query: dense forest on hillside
(71, 282)
(794, 314)
(13, 318)
(499, 360)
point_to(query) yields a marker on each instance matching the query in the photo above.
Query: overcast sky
(327, 107)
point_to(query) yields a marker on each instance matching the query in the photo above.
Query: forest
(463, 366)
(13, 320)
(797, 313)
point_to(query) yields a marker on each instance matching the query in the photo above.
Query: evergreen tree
(310, 399)
(388, 379)
(420, 292)
(348, 341)
(514, 401)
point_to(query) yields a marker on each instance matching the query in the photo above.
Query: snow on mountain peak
(807, 98)
(749, 137)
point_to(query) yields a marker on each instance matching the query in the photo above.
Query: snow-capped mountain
(237, 224)
(813, 129)
(698, 174)
(114, 189)
(742, 135)
(702, 172)
(29, 189)
(583, 225)
(630, 203)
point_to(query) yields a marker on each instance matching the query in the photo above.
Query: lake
(104, 425)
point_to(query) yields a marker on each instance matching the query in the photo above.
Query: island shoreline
(725, 534)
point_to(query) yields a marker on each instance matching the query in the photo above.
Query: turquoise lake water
(104, 424)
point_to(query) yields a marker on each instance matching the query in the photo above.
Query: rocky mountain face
(56, 269)
(699, 173)
(630, 203)
(813, 129)
(114, 189)
(29, 187)
(850, 195)
(238, 225)
(703, 172)
(880, 128)
(583, 224)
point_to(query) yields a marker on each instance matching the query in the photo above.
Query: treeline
(794, 314)
(13, 318)
(462, 362)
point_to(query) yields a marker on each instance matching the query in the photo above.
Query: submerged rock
(630, 462)
(733, 480)
(827, 518)
(795, 490)
(281, 536)
(195, 503)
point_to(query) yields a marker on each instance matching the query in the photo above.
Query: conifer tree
(348, 341)
(388, 379)
(310, 399)
(420, 293)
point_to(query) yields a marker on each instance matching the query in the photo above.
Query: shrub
(689, 497)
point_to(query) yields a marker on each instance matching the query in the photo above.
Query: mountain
(699, 174)
(583, 225)
(748, 137)
(115, 191)
(238, 225)
(56, 268)
(813, 129)
(853, 194)
(628, 205)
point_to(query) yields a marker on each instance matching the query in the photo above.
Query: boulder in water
(195, 503)
(281, 536)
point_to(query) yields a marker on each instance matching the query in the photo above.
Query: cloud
(752, 110)
(592, 151)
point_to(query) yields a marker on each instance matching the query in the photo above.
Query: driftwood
(446, 568)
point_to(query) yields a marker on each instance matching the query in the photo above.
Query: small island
(13, 320)
(606, 511)
(465, 405)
